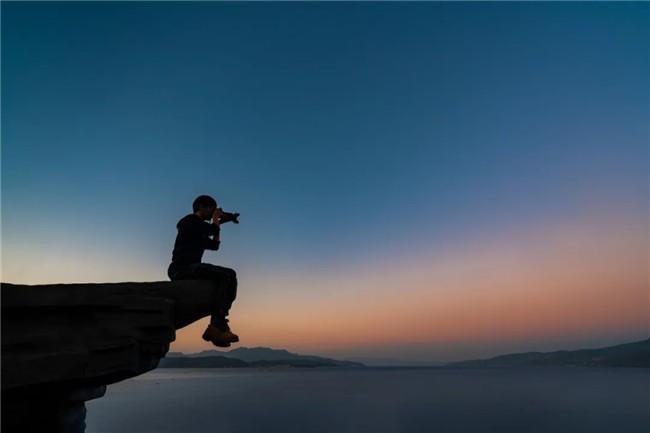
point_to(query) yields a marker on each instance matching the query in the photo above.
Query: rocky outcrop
(63, 343)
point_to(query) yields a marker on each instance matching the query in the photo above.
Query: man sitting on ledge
(192, 239)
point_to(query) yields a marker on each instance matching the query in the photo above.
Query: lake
(336, 400)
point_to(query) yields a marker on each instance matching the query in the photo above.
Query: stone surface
(63, 343)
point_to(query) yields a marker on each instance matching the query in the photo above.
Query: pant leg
(229, 283)
(225, 278)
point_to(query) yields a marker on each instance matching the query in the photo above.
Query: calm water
(376, 400)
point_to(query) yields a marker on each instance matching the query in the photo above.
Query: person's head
(204, 206)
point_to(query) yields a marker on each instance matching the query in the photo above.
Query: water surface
(400, 400)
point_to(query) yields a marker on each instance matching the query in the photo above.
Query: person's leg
(227, 281)
(226, 292)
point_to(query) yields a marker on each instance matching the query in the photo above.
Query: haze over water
(549, 400)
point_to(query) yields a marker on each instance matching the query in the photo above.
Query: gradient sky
(423, 181)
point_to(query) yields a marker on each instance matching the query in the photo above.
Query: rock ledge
(63, 343)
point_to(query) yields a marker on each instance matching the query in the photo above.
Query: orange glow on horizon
(569, 279)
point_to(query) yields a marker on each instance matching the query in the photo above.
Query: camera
(228, 217)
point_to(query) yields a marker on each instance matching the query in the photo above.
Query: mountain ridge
(634, 354)
(251, 357)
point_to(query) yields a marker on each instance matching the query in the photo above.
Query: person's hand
(216, 216)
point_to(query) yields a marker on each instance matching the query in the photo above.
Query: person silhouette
(193, 237)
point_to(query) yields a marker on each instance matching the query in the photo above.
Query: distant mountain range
(202, 362)
(250, 357)
(623, 355)
(371, 361)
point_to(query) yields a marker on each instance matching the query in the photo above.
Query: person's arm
(195, 232)
(214, 231)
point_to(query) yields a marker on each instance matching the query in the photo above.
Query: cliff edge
(63, 343)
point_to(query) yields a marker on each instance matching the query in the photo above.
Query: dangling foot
(223, 326)
(234, 338)
(216, 336)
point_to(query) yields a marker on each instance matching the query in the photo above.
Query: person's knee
(230, 274)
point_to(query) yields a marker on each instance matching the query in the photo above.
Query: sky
(420, 181)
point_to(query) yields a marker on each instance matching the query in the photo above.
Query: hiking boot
(223, 327)
(232, 337)
(217, 336)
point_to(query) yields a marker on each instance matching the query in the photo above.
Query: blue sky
(343, 133)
